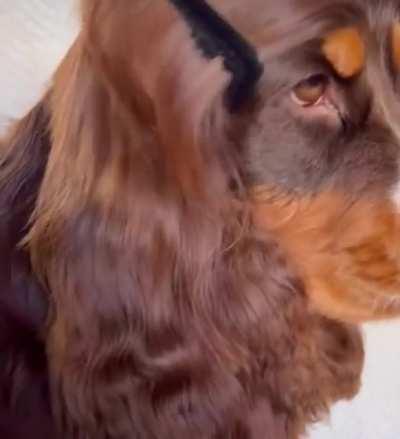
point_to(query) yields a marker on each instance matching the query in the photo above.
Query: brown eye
(310, 91)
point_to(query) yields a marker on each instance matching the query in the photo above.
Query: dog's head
(321, 155)
(300, 101)
(320, 149)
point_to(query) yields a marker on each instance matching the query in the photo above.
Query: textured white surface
(374, 414)
(34, 35)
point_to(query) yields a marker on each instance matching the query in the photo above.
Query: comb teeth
(216, 37)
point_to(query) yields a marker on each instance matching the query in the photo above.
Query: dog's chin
(347, 253)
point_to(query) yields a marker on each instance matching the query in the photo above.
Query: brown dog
(215, 196)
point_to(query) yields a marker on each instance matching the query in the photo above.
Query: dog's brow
(396, 44)
(345, 51)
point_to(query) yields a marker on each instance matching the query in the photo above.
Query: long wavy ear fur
(172, 317)
(24, 399)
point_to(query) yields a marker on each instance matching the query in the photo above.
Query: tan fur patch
(345, 50)
(347, 254)
(396, 44)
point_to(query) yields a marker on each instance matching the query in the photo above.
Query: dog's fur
(176, 266)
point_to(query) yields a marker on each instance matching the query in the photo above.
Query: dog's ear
(172, 317)
(24, 399)
(211, 34)
(134, 232)
(188, 70)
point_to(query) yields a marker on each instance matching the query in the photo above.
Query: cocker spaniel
(195, 218)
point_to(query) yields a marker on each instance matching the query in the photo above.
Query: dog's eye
(310, 91)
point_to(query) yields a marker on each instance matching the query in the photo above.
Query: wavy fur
(171, 314)
(24, 388)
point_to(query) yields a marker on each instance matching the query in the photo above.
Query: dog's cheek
(346, 253)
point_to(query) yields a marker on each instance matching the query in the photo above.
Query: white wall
(375, 413)
(34, 35)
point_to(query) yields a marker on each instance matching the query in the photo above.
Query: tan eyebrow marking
(345, 50)
(396, 44)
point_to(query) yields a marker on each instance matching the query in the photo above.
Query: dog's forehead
(352, 24)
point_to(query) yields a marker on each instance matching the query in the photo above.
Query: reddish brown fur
(351, 272)
(396, 44)
(24, 395)
(180, 305)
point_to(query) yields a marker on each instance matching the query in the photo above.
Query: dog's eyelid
(315, 79)
(311, 90)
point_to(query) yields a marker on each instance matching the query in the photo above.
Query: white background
(34, 35)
